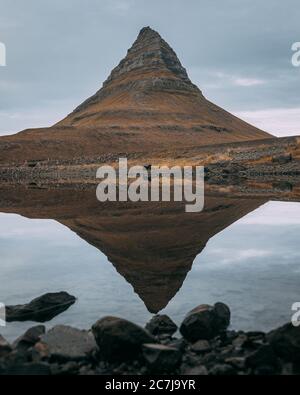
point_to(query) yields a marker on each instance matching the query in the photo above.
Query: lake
(134, 263)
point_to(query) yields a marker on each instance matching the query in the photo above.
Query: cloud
(248, 81)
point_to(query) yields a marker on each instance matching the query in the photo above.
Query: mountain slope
(148, 102)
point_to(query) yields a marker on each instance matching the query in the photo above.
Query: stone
(263, 357)
(161, 324)
(5, 347)
(196, 371)
(65, 343)
(222, 370)
(205, 322)
(119, 339)
(161, 358)
(41, 309)
(286, 342)
(201, 346)
(236, 362)
(30, 337)
(282, 159)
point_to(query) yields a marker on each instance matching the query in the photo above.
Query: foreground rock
(160, 325)
(160, 358)
(119, 339)
(286, 342)
(30, 337)
(41, 309)
(127, 349)
(205, 322)
(64, 343)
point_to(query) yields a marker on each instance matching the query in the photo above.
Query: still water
(253, 265)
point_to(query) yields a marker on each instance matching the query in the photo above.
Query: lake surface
(253, 265)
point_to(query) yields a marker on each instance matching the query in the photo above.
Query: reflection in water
(152, 245)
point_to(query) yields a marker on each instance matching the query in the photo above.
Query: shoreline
(114, 346)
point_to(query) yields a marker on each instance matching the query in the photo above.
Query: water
(253, 265)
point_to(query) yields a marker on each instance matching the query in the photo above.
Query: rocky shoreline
(203, 346)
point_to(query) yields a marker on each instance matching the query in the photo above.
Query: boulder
(264, 357)
(5, 347)
(161, 358)
(201, 346)
(41, 309)
(119, 339)
(205, 322)
(286, 342)
(64, 343)
(282, 159)
(161, 324)
(30, 337)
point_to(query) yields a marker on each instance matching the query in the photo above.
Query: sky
(238, 52)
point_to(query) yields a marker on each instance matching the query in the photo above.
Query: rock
(28, 369)
(236, 362)
(282, 159)
(222, 370)
(201, 346)
(5, 347)
(240, 340)
(180, 344)
(119, 339)
(161, 324)
(30, 337)
(286, 342)
(196, 371)
(160, 358)
(65, 343)
(263, 357)
(41, 309)
(205, 322)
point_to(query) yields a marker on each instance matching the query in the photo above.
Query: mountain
(147, 103)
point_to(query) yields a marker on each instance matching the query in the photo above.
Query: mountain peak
(147, 31)
(150, 93)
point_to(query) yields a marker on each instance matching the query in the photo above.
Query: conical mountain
(148, 102)
(150, 91)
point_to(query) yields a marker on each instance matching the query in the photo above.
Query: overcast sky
(237, 51)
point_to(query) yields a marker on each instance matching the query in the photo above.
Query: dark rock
(41, 309)
(286, 342)
(240, 340)
(28, 369)
(161, 324)
(201, 346)
(263, 357)
(160, 358)
(66, 369)
(196, 371)
(119, 339)
(222, 370)
(205, 322)
(30, 337)
(282, 159)
(63, 343)
(5, 347)
(236, 362)
(180, 344)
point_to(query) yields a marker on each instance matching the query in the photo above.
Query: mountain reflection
(152, 245)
